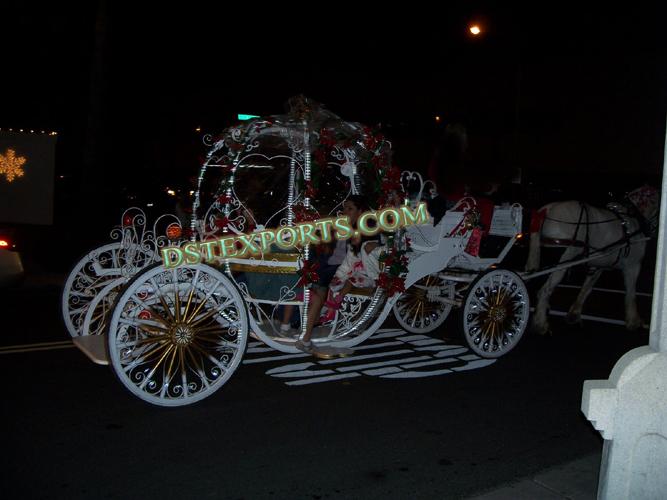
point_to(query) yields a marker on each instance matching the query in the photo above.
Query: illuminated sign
(246, 117)
(27, 164)
(11, 166)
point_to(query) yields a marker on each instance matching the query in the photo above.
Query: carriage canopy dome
(285, 169)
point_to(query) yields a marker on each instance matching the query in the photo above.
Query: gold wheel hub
(181, 334)
(497, 314)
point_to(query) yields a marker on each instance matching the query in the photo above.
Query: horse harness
(621, 213)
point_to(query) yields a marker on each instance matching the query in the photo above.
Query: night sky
(548, 88)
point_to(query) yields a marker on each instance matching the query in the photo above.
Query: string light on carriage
(438, 119)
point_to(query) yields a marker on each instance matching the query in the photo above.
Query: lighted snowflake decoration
(11, 165)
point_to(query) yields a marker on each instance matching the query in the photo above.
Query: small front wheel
(495, 313)
(425, 305)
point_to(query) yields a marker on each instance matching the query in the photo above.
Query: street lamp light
(475, 29)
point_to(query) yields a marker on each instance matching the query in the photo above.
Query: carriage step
(93, 346)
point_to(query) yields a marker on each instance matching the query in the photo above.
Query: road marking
(365, 356)
(381, 363)
(37, 346)
(430, 363)
(384, 360)
(273, 358)
(452, 352)
(385, 334)
(433, 373)
(480, 363)
(445, 347)
(426, 342)
(290, 368)
(304, 373)
(382, 371)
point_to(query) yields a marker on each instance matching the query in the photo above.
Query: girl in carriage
(359, 269)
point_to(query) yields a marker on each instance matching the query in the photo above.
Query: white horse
(582, 229)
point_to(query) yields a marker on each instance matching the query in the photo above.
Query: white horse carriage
(174, 336)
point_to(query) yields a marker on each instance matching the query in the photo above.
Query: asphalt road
(71, 431)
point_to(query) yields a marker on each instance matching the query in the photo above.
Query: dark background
(572, 96)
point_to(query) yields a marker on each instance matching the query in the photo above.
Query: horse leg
(540, 324)
(533, 262)
(630, 275)
(574, 314)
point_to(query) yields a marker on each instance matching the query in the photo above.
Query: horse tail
(533, 262)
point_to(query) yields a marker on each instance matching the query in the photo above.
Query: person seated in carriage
(360, 269)
(328, 257)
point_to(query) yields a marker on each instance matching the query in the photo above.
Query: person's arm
(342, 272)
(371, 259)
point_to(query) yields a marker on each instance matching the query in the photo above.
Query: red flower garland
(308, 273)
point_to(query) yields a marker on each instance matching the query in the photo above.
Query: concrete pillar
(630, 408)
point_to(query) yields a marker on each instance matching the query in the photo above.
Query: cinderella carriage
(175, 335)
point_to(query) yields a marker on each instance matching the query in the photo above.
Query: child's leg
(287, 315)
(314, 310)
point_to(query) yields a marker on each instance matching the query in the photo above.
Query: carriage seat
(498, 223)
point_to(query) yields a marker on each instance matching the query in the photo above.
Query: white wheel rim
(495, 313)
(91, 275)
(414, 310)
(176, 336)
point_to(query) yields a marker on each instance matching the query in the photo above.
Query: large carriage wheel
(495, 313)
(177, 335)
(425, 305)
(90, 278)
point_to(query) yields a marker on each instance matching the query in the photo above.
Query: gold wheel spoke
(148, 340)
(208, 355)
(206, 316)
(145, 356)
(204, 301)
(154, 313)
(213, 326)
(177, 296)
(162, 301)
(156, 366)
(167, 378)
(192, 292)
(199, 368)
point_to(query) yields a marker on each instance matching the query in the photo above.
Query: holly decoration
(395, 260)
(308, 274)
(303, 213)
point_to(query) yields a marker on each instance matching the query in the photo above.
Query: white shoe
(304, 346)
